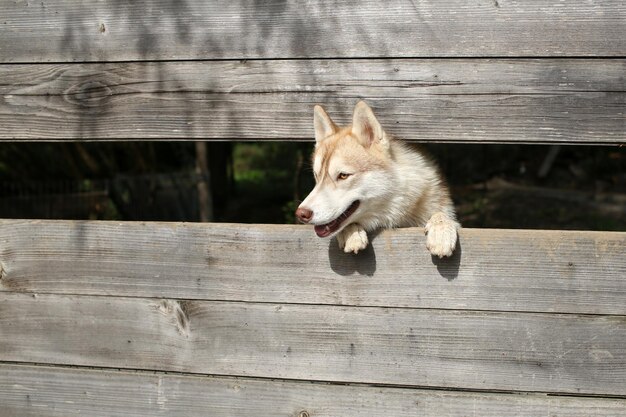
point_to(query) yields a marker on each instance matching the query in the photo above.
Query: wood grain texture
(45, 391)
(506, 270)
(435, 348)
(90, 30)
(511, 101)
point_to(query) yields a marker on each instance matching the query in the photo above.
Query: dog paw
(441, 235)
(352, 239)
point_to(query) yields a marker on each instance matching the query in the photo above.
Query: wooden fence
(136, 319)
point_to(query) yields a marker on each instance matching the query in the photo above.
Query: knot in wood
(92, 93)
(304, 413)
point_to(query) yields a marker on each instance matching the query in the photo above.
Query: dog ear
(323, 124)
(366, 127)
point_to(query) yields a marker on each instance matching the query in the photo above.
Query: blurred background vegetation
(507, 186)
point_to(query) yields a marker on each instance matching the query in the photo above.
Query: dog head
(352, 172)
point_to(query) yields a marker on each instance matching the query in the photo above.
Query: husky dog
(366, 180)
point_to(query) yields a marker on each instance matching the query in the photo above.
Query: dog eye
(342, 176)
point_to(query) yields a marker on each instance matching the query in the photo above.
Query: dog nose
(304, 214)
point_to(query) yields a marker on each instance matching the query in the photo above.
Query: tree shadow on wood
(345, 264)
(449, 267)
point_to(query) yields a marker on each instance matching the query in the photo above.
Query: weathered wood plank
(506, 270)
(44, 391)
(197, 29)
(437, 348)
(529, 101)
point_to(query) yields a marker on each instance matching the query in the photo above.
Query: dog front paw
(352, 238)
(441, 235)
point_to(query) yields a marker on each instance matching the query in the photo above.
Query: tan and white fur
(367, 180)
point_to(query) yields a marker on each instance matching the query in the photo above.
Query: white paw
(441, 235)
(352, 239)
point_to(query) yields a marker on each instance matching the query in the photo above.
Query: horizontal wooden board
(90, 30)
(45, 391)
(435, 348)
(506, 270)
(510, 101)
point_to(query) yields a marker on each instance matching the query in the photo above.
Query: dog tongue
(326, 229)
